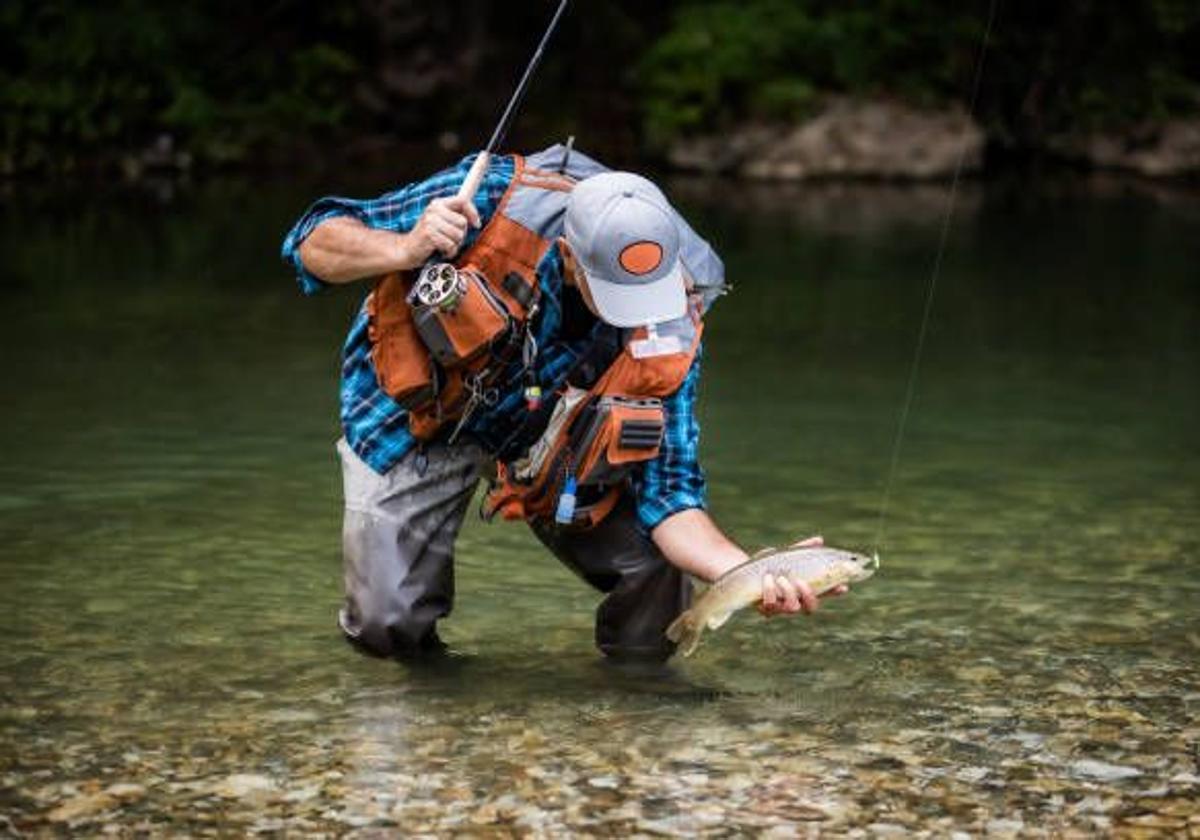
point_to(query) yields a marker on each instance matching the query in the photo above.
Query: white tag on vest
(655, 345)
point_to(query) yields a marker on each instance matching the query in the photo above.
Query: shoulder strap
(605, 346)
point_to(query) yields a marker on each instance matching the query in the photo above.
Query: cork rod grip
(470, 184)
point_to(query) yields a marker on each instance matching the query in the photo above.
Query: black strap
(597, 357)
(520, 291)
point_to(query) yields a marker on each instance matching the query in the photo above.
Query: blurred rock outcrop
(848, 138)
(1159, 150)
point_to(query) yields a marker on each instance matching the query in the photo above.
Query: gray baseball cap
(623, 234)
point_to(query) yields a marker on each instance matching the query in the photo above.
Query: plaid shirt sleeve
(398, 210)
(673, 481)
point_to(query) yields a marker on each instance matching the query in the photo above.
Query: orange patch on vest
(641, 257)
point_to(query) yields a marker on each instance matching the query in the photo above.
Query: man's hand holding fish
(776, 582)
(784, 595)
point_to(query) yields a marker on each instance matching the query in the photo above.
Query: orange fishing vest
(599, 437)
(442, 336)
(431, 357)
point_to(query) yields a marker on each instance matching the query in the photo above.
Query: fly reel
(439, 286)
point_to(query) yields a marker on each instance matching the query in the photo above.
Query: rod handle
(474, 178)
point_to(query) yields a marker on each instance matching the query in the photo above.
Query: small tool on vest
(478, 394)
(529, 351)
(564, 514)
(533, 393)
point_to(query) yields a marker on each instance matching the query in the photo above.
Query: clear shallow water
(1027, 660)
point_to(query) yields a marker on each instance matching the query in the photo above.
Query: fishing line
(947, 217)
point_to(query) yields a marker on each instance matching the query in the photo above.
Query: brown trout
(821, 567)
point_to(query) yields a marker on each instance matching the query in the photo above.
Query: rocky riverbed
(1077, 749)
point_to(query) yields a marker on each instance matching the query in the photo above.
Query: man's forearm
(343, 249)
(691, 541)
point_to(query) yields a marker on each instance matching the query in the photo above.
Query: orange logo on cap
(641, 257)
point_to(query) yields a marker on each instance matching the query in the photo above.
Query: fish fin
(685, 631)
(679, 625)
(763, 552)
(717, 620)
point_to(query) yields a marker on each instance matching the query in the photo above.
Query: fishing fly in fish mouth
(538, 319)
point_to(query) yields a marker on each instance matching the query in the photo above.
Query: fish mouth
(868, 566)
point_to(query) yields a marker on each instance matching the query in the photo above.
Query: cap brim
(664, 299)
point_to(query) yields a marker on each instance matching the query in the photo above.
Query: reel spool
(440, 286)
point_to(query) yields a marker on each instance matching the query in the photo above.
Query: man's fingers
(443, 243)
(472, 213)
(782, 594)
(791, 601)
(464, 208)
(451, 231)
(455, 221)
(448, 220)
(455, 211)
(810, 542)
(769, 595)
(806, 597)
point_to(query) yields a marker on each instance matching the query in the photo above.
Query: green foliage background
(84, 83)
(81, 80)
(1050, 66)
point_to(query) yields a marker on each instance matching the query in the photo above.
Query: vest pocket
(614, 433)
(464, 323)
(451, 395)
(401, 362)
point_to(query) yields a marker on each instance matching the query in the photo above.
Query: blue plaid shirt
(376, 427)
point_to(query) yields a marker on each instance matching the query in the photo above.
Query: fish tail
(685, 631)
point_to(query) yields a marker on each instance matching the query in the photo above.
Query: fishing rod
(475, 176)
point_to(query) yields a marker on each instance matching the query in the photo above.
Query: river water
(1027, 661)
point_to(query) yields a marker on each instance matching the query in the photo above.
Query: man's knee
(643, 592)
(396, 588)
(388, 631)
(631, 622)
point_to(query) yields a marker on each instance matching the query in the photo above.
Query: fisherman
(547, 330)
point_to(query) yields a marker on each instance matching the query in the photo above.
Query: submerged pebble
(242, 785)
(1103, 771)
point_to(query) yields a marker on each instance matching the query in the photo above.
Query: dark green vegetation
(86, 84)
(1050, 66)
